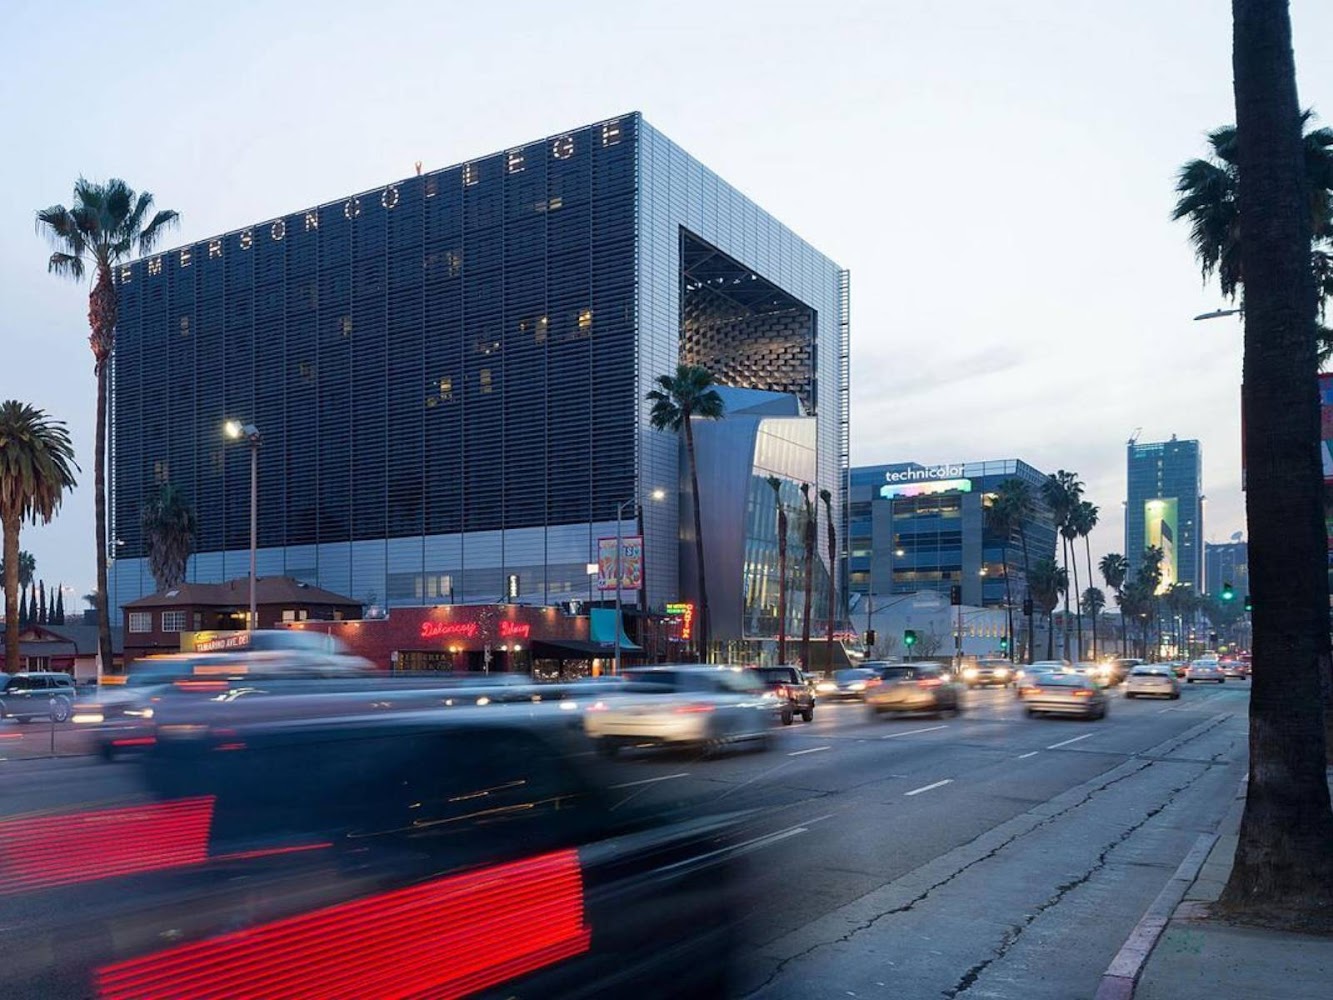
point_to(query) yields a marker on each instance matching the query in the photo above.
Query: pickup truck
(789, 685)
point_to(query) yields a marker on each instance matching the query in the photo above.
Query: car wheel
(1189, 680)
(60, 710)
(608, 746)
(787, 718)
(1032, 713)
(1221, 680)
(1129, 694)
(1175, 696)
(808, 715)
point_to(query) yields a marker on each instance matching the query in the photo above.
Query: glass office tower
(449, 371)
(1165, 508)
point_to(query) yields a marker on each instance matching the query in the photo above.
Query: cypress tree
(59, 617)
(23, 608)
(41, 603)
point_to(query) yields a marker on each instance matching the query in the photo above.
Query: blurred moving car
(684, 704)
(1101, 674)
(792, 689)
(1066, 694)
(323, 854)
(1025, 675)
(988, 673)
(36, 695)
(845, 685)
(1236, 668)
(913, 687)
(1205, 670)
(1152, 680)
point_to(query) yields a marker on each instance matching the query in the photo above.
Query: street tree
(104, 225)
(1093, 601)
(809, 531)
(36, 468)
(27, 569)
(1013, 506)
(1085, 516)
(677, 400)
(1114, 568)
(1047, 582)
(169, 527)
(1062, 492)
(1283, 867)
(826, 497)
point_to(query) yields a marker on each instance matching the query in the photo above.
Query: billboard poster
(1160, 527)
(631, 563)
(1326, 424)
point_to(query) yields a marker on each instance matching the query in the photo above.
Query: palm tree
(776, 485)
(1062, 492)
(808, 536)
(827, 497)
(1114, 568)
(1284, 851)
(27, 569)
(1093, 601)
(106, 224)
(1013, 506)
(169, 527)
(1086, 515)
(1047, 582)
(679, 398)
(1207, 198)
(36, 463)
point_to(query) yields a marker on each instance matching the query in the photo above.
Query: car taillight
(1082, 694)
(782, 691)
(694, 708)
(597, 706)
(929, 682)
(874, 682)
(1027, 692)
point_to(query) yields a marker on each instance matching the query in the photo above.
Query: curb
(1122, 975)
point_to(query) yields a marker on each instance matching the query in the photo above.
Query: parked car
(913, 687)
(685, 704)
(36, 695)
(846, 685)
(1205, 670)
(1152, 680)
(988, 673)
(1066, 694)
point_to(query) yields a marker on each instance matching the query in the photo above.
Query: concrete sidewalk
(1198, 958)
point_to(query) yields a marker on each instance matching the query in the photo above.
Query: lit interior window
(485, 380)
(585, 319)
(345, 326)
(555, 203)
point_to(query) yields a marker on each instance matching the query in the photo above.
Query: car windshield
(1065, 680)
(738, 681)
(854, 674)
(1150, 672)
(897, 673)
(776, 675)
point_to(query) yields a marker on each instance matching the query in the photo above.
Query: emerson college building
(449, 375)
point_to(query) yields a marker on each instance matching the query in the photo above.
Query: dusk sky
(997, 175)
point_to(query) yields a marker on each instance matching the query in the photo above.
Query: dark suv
(36, 696)
(791, 685)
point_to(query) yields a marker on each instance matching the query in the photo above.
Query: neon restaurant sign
(472, 630)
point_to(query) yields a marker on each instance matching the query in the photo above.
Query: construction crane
(1134, 437)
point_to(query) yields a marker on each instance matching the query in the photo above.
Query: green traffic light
(1228, 594)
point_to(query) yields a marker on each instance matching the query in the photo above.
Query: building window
(173, 621)
(485, 380)
(141, 621)
(198, 620)
(297, 615)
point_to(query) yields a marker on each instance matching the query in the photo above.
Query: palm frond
(162, 221)
(67, 265)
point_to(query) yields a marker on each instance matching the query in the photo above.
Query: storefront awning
(603, 624)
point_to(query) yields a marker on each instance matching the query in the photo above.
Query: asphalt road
(989, 855)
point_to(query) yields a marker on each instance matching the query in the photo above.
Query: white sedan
(687, 704)
(1152, 680)
(1205, 670)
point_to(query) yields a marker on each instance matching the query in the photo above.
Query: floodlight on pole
(238, 431)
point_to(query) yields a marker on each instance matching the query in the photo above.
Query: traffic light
(956, 595)
(1249, 604)
(1212, 639)
(909, 637)
(870, 638)
(1027, 606)
(1228, 592)
(1004, 644)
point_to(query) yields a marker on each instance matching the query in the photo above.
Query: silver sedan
(1152, 681)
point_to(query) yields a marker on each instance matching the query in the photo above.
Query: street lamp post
(236, 431)
(656, 494)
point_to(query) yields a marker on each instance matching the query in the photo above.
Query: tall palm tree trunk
(1008, 599)
(1087, 546)
(808, 536)
(1078, 603)
(1284, 854)
(1124, 626)
(832, 580)
(1027, 586)
(11, 549)
(1064, 559)
(99, 525)
(1050, 636)
(705, 631)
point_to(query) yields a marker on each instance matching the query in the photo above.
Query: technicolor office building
(1164, 508)
(449, 373)
(924, 527)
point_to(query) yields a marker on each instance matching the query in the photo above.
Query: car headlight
(856, 686)
(970, 673)
(824, 687)
(1002, 672)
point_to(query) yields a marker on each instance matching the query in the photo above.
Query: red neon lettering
(439, 630)
(515, 630)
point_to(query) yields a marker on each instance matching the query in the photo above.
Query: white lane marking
(912, 732)
(1024, 756)
(649, 781)
(926, 788)
(798, 753)
(1065, 743)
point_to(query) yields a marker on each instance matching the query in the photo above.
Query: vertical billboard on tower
(1159, 516)
(631, 563)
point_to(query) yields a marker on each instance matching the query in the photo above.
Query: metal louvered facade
(448, 372)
